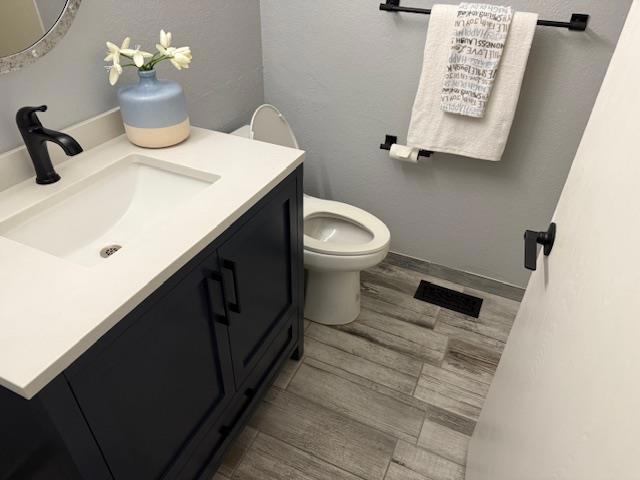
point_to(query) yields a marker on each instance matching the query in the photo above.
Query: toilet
(340, 240)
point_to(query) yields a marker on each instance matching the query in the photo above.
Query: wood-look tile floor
(394, 395)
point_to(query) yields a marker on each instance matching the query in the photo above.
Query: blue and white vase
(154, 111)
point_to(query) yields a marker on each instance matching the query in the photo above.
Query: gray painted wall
(345, 74)
(223, 85)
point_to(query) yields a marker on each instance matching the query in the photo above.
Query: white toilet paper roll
(404, 153)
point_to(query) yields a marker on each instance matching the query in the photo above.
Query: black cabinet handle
(231, 278)
(532, 240)
(216, 298)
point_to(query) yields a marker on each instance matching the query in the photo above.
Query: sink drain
(110, 250)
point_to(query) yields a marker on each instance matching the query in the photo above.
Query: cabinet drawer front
(261, 285)
(147, 392)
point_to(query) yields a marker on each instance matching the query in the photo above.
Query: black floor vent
(449, 299)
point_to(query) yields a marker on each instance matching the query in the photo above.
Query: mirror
(30, 28)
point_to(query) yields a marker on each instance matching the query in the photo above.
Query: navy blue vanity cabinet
(166, 390)
(258, 265)
(146, 391)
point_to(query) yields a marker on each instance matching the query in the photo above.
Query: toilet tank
(244, 131)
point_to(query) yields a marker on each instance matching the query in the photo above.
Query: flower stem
(153, 62)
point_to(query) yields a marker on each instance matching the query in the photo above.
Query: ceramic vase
(154, 111)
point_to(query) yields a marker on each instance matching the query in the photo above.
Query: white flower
(115, 71)
(136, 54)
(179, 57)
(165, 39)
(113, 55)
(113, 51)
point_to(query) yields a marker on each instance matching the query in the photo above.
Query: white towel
(476, 49)
(484, 138)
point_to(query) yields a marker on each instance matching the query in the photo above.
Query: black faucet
(36, 137)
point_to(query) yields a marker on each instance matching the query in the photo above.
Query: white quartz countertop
(52, 310)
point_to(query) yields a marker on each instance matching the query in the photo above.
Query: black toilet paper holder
(390, 140)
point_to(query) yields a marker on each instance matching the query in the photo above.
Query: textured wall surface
(345, 74)
(223, 85)
(564, 402)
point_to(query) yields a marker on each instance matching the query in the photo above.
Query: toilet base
(332, 298)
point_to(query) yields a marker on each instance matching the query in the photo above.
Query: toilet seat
(314, 207)
(269, 125)
(340, 240)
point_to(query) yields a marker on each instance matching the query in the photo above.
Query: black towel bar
(389, 140)
(578, 22)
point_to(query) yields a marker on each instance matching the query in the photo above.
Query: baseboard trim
(466, 279)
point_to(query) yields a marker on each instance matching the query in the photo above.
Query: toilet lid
(269, 125)
(314, 207)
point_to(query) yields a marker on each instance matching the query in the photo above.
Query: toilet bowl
(340, 240)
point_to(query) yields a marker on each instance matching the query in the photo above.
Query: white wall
(223, 85)
(345, 74)
(564, 402)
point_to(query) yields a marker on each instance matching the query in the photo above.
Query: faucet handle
(27, 116)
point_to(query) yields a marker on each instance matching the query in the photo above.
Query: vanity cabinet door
(148, 393)
(261, 286)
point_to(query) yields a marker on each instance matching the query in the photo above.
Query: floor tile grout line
(415, 386)
(480, 396)
(474, 356)
(446, 350)
(372, 361)
(424, 420)
(487, 370)
(441, 381)
(360, 376)
(339, 414)
(483, 399)
(364, 294)
(469, 330)
(465, 375)
(403, 320)
(431, 452)
(392, 435)
(448, 411)
(347, 417)
(386, 471)
(377, 383)
(310, 454)
(380, 344)
(402, 338)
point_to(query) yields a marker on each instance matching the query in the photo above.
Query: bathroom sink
(91, 220)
